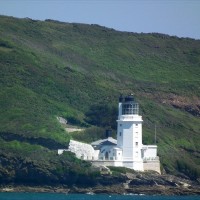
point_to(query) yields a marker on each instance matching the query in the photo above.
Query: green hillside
(78, 71)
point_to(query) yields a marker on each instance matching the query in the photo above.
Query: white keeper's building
(128, 150)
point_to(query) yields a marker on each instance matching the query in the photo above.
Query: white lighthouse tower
(129, 133)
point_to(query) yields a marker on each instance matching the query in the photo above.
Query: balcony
(130, 118)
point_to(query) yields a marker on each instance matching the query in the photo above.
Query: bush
(102, 115)
(188, 169)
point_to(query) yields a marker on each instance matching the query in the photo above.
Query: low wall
(106, 163)
(153, 165)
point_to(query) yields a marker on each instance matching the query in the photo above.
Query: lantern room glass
(130, 108)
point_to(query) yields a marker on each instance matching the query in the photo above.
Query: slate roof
(107, 141)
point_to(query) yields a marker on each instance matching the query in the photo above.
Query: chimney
(108, 133)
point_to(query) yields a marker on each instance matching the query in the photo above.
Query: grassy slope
(51, 69)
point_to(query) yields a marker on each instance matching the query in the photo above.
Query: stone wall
(60, 151)
(83, 151)
(153, 165)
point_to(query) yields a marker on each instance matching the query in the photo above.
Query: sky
(174, 17)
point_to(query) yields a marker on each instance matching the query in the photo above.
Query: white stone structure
(128, 150)
(60, 151)
(83, 151)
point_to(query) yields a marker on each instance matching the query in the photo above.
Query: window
(136, 125)
(120, 125)
(136, 154)
(120, 133)
(136, 134)
(130, 108)
(136, 144)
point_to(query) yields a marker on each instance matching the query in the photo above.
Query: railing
(151, 159)
(126, 117)
(102, 158)
(129, 117)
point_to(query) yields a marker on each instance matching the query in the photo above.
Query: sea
(53, 196)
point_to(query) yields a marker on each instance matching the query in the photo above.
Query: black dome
(129, 98)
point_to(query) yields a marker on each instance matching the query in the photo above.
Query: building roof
(107, 141)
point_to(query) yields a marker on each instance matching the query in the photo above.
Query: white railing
(129, 117)
(151, 159)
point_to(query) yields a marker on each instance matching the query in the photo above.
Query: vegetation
(120, 170)
(102, 115)
(78, 71)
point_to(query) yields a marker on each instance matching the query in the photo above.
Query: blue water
(49, 196)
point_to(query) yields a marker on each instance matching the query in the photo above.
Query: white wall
(83, 151)
(60, 151)
(118, 154)
(149, 151)
(127, 134)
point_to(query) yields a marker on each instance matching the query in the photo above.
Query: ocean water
(51, 196)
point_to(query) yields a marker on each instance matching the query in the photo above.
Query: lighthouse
(129, 132)
(125, 151)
